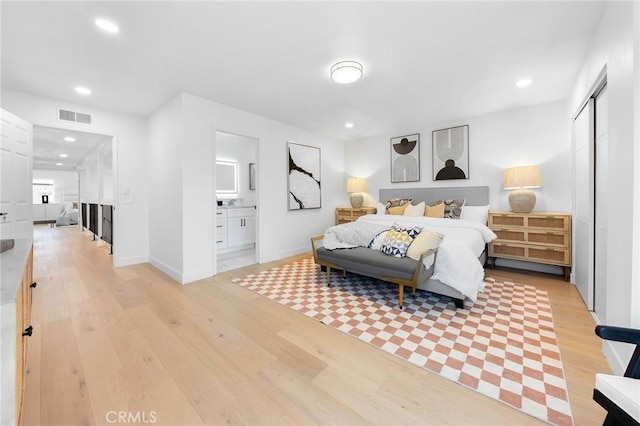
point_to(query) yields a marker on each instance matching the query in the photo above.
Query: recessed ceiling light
(524, 82)
(348, 125)
(58, 164)
(63, 155)
(346, 72)
(106, 25)
(83, 90)
(69, 139)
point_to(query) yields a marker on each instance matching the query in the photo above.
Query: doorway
(78, 168)
(236, 209)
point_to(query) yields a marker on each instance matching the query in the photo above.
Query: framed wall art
(303, 181)
(405, 158)
(451, 153)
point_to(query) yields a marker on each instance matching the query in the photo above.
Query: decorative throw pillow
(426, 240)
(399, 239)
(398, 210)
(382, 209)
(434, 211)
(478, 214)
(377, 241)
(395, 202)
(452, 208)
(415, 211)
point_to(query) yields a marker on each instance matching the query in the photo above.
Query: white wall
(65, 182)
(165, 189)
(130, 154)
(281, 233)
(613, 47)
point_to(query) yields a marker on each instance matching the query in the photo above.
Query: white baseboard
(177, 276)
(118, 262)
(196, 276)
(283, 254)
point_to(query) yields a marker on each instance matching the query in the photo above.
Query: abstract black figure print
(405, 158)
(451, 153)
(304, 176)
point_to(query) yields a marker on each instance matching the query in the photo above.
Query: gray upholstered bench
(402, 271)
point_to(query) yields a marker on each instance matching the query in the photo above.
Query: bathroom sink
(6, 245)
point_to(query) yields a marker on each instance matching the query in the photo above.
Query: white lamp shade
(346, 72)
(357, 185)
(523, 177)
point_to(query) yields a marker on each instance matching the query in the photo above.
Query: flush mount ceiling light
(63, 155)
(83, 90)
(69, 139)
(107, 26)
(346, 72)
(524, 82)
(58, 164)
(348, 125)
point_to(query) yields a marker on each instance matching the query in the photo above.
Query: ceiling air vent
(76, 117)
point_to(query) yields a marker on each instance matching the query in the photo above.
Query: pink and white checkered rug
(503, 346)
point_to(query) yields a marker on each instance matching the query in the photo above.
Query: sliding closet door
(601, 203)
(583, 202)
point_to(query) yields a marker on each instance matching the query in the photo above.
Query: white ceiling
(424, 62)
(49, 144)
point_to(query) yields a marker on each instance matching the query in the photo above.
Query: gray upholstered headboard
(474, 195)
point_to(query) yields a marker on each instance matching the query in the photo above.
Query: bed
(67, 217)
(456, 269)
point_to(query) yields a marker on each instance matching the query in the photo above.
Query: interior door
(16, 160)
(583, 229)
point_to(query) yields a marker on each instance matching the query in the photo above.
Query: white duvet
(457, 263)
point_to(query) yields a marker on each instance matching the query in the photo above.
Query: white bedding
(457, 263)
(68, 217)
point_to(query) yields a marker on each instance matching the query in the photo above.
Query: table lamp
(521, 179)
(356, 186)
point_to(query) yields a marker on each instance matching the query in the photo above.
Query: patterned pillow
(399, 239)
(395, 202)
(377, 241)
(452, 208)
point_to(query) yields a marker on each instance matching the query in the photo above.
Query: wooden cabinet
(350, 214)
(15, 320)
(235, 228)
(532, 237)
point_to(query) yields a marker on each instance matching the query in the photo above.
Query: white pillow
(414, 211)
(478, 214)
(382, 209)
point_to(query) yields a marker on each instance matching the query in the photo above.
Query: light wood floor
(131, 340)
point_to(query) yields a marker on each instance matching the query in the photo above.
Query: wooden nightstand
(349, 214)
(532, 237)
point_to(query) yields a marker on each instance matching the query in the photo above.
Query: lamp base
(356, 200)
(522, 200)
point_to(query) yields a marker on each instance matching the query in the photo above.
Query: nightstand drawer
(549, 222)
(529, 253)
(557, 239)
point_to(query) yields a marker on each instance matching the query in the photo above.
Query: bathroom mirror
(226, 177)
